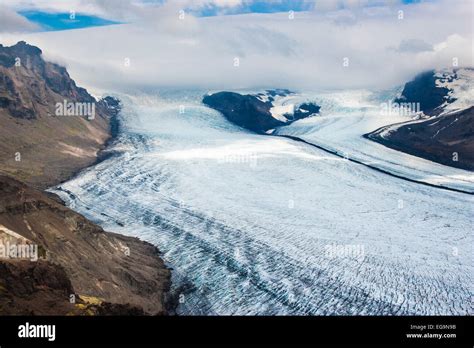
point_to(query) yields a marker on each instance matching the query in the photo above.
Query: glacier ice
(247, 219)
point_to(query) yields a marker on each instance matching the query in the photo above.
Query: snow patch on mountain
(460, 83)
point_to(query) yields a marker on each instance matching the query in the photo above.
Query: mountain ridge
(40, 146)
(445, 134)
(261, 112)
(105, 273)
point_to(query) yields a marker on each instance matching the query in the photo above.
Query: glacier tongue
(264, 225)
(340, 129)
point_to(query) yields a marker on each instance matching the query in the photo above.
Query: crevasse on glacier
(247, 220)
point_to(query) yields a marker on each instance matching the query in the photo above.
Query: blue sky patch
(268, 6)
(49, 21)
(63, 21)
(258, 6)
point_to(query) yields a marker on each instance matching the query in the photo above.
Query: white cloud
(126, 10)
(274, 51)
(225, 3)
(10, 21)
(413, 46)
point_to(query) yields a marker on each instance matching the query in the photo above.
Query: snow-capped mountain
(261, 112)
(446, 98)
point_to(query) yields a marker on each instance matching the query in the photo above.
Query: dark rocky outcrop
(305, 110)
(44, 288)
(447, 139)
(246, 111)
(34, 288)
(423, 90)
(81, 258)
(252, 113)
(444, 137)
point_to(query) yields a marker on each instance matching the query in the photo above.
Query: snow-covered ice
(265, 225)
(340, 129)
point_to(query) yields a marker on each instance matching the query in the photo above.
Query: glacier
(248, 219)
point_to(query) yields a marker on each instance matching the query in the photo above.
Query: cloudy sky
(229, 44)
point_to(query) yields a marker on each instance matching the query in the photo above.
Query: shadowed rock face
(250, 112)
(447, 139)
(43, 288)
(246, 111)
(305, 110)
(38, 146)
(422, 89)
(34, 288)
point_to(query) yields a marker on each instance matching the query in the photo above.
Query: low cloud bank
(363, 47)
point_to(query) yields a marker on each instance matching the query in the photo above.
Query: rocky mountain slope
(105, 273)
(445, 134)
(40, 145)
(43, 288)
(104, 265)
(423, 89)
(261, 112)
